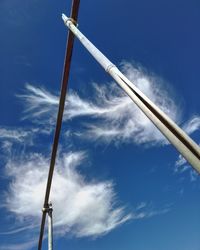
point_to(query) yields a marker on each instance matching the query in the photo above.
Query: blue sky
(118, 183)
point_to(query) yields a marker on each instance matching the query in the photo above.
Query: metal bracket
(73, 21)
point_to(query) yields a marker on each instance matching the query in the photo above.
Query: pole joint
(47, 209)
(110, 67)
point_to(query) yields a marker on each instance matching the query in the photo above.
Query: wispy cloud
(181, 165)
(16, 230)
(39, 104)
(192, 125)
(12, 136)
(146, 210)
(17, 135)
(115, 118)
(74, 199)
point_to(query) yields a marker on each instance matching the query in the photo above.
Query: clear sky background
(118, 184)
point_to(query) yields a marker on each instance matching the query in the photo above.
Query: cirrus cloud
(114, 117)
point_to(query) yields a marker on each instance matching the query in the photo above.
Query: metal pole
(64, 84)
(50, 227)
(183, 143)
